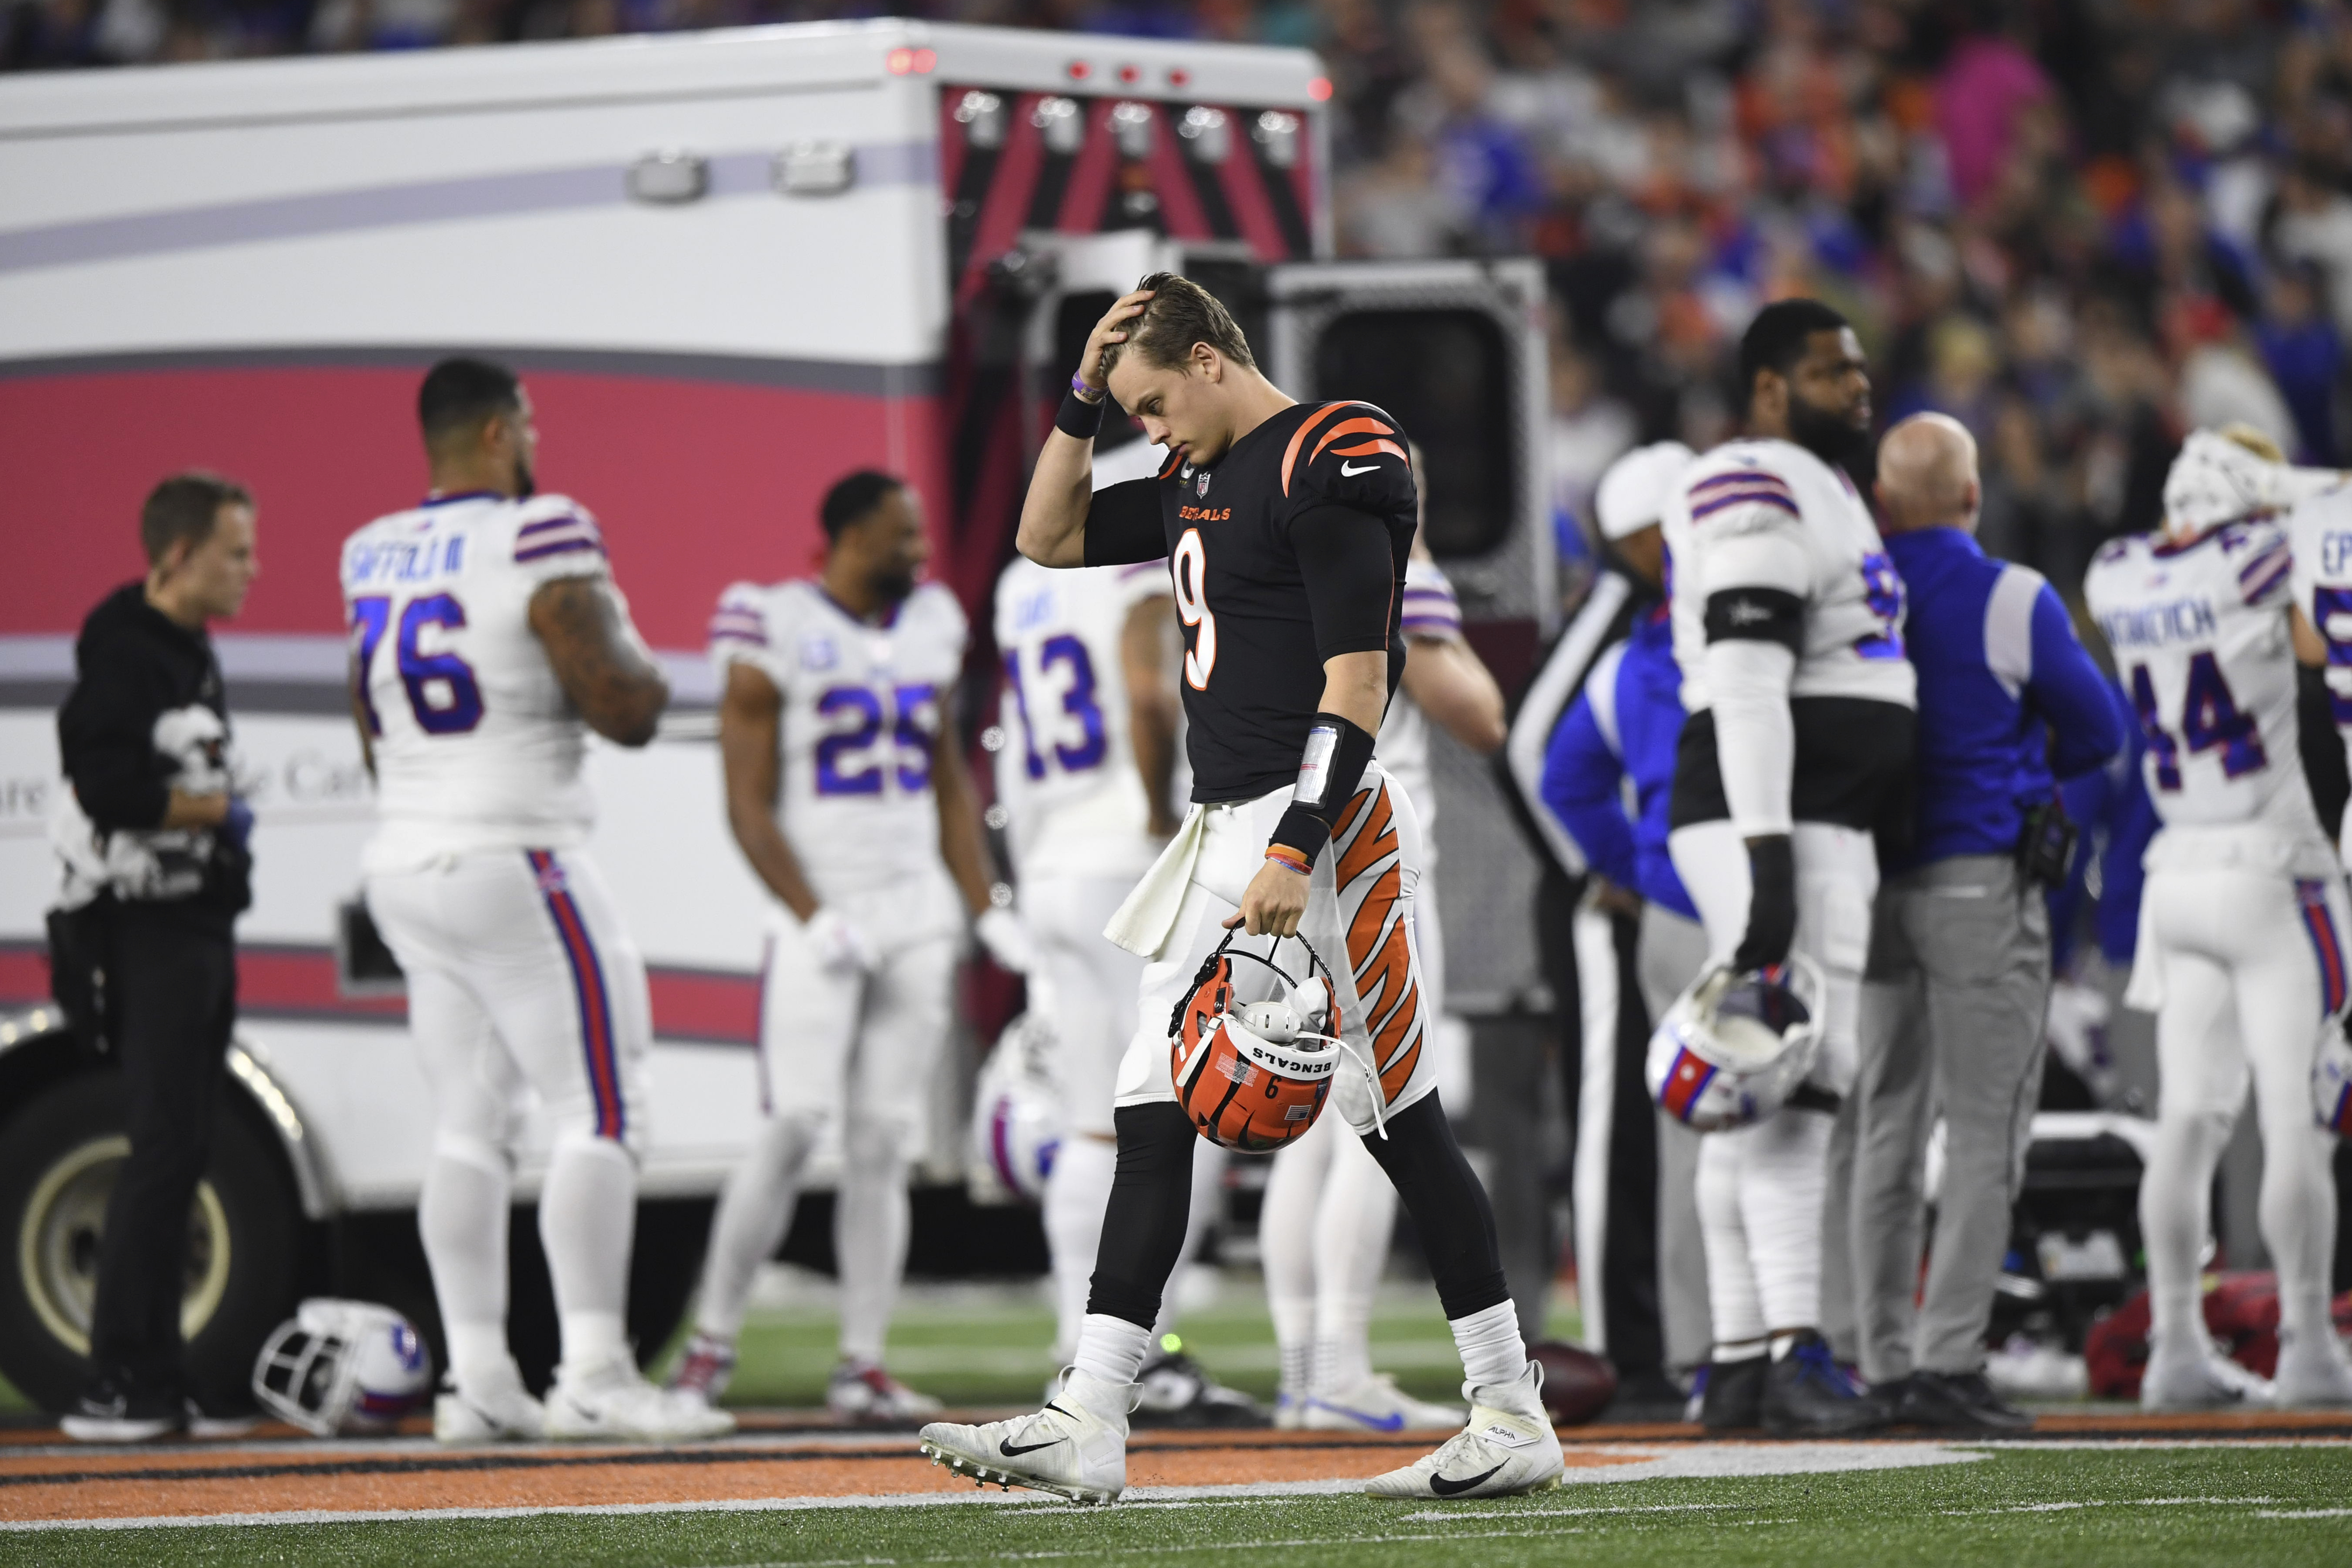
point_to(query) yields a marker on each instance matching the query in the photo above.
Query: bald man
(1959, 975)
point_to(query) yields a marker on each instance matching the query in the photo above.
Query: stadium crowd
(2080, 227)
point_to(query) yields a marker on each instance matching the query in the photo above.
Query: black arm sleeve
(1348, 564)
(106, 740)
(1123, 523)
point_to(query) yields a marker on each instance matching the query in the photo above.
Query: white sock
(1741, 1350)
(2174, 1196)
(1493, 1353)
(587, 1220)
(869, 1236)
(1111, 1349)
(754, 1209)
(1732, 1305)
(1287, 1235)
(1207, 1202)
(2299, 1221)
(1782, 1344)
(461, 1218)
(1784, 1181)
(1358, 1216)
(1076, 1196)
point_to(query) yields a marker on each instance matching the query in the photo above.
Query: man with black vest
(153, 839)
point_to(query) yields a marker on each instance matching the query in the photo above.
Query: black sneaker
(1732, 1399)
(114, 1410)
(1808, 1394)
(1177, 1391)
(1957, 1401)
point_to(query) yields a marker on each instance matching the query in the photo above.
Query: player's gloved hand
(1771, 903)
(237, 826)
(1007, 940)
(841, 949)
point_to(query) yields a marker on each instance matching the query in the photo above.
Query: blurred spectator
(2304, 356)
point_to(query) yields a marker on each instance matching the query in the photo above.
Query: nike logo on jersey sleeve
(1351, 470)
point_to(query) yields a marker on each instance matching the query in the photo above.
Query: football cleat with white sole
(861, 1391)
(612, 1402)
(1289, 1411)
(2313, 1374)
(2195, 1376)
(1377, 1405)
(1068, 1448)
(1509, 1448)
(494, 1411)
(704, 1371)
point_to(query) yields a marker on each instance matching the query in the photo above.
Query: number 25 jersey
(863, 705)
(2200, 635)
(476, 748)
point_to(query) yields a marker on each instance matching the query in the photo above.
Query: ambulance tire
(58, 1154)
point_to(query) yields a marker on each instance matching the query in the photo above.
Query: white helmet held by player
(1017, 1118)
(1734, 1046)
(2220, 476)
(340, 1367)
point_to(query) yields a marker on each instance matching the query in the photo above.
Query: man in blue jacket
(1623, 726)
(1958, 977)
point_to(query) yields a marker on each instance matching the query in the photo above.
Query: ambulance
(731, 267)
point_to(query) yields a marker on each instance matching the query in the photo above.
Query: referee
(153, 840)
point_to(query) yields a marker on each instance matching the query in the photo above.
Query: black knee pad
(1449, 1208)
(1150, 1202)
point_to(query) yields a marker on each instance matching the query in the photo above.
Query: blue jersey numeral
(843, 764)
(370, 616)
(1078, 702)
(2331, 616)
(2210, 719)
(1882, 590)
(443, 692)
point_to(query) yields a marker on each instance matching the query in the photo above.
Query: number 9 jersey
(863, 706)
(476, 748)
(2200, 636)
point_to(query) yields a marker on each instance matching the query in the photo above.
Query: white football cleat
(705, 1370)
(1507, 1449)
(1377, 1405)
(2312, 1375)
(1067, 1449)
(1289, 1411)
(2196, 1376)
(498, 1410)
(612, 1402)
(864, 1392)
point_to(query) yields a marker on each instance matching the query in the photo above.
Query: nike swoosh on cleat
(1444, 1488)
(1009, 1451)
(1351, 470)
(1391, 1422)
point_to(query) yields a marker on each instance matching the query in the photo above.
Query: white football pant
(2253, 969)
(1088, 985)
(852, 1051)
(1761, 1188)
(519, 973)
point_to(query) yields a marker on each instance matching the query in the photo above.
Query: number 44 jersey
(863, 705)
(2200, 635)
(476, 748)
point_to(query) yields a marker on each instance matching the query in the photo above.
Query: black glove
(1771, 903)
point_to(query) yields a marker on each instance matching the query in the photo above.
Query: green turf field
(2274, 1507)
(993, 1344)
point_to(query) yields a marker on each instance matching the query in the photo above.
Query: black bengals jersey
(1282, 552)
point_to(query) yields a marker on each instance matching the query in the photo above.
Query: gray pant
(1952, 1014)
(1673, 950)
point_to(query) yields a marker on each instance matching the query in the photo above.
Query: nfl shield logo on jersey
(1201, 484)
(819, 654)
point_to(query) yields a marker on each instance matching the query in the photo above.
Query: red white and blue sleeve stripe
(1741, 487)
(2267, 572)
(734, 621)
(566, 534)
(1430, 610)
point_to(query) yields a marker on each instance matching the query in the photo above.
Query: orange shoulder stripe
(1170, 469)
(1372, 447)
(1349, 427)
(1298, 439)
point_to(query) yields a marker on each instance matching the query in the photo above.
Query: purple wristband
(1078, 385)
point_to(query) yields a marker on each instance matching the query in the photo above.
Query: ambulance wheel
(59, 1157)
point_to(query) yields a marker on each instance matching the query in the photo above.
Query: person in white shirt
(488, 638)
(846, 790)
(2242, 920)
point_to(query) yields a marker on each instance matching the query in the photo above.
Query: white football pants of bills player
(2244, 965)
(852, 1051)
(1761, 1188)
(519, 974)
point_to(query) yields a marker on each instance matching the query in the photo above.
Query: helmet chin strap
(1371, 1078)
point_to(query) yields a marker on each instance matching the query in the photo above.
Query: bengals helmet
(1253, 1075)
(1734, 1046)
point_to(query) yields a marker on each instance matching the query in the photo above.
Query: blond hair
(1180, 314)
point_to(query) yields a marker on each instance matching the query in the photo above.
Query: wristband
(1078, 385)
(1283, 854)
(1078, 417)
(1332, 765)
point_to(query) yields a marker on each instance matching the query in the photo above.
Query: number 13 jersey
(2200, 636)
(476, 748)
(863, 705)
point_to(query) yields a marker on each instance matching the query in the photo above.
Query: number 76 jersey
(863, 705)
(2201, 640)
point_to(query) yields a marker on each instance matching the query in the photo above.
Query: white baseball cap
(1632, 493)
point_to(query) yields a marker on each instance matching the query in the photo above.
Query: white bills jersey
(1402, 744)
(476, 748)
(2319, 535)
(2200, 641)
(863, 707)
(1067, 772)
(1769, 514)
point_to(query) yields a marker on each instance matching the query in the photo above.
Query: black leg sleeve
(1151, 1201)
(1447, 1204)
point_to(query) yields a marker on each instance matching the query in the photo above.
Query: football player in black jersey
(1286, 527)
